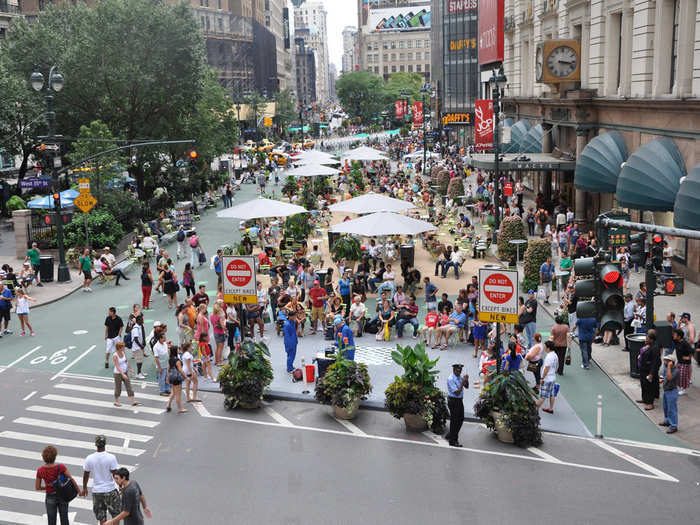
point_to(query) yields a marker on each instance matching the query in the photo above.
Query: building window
(208, 26)
(409, 56)
(221, 24)
(410, 68)
(393, 45)
(419, 55)
(386, 57)
(409, 44)
(393, 57)
(393, 69)
(385, 45)
(401, 68)
(426, 44)
(674, 45)
(402, 57)
(418, 68)
(376, 69)
(401, 44)
(203, 22)
(386, 69)
(419, 43)
(369, 47)
(427, 68)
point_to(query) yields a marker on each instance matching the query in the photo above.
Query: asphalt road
(292, 463)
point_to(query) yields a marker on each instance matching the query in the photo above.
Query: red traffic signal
(57, 200)
(657, 239)
(48, 220)
(193, 155)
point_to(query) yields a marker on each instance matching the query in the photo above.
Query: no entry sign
(498, 295)
(239, 284)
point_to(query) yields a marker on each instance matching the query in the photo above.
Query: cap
(316, 282)
(106, 248)
(531, 291)
(685, 315)
(337, 319)
(458, 366)
(157, 323)
(26, 263)
(670, 357)
(101, 440)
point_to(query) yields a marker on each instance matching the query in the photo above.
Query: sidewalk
(50, 291)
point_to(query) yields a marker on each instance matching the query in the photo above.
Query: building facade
(350, 60)
(277, 21)
(639, 78)
(310, 24)
(305, 70)
(9, 10)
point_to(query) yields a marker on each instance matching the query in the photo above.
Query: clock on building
(558, 61)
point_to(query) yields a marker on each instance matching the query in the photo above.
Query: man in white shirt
(549, 378)
(373, 252)
(668, 258)
(357, 315)
(455, 262)
(160, 356)
(105, 494)
(388, 283)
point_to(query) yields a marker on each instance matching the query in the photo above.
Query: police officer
(455, 393)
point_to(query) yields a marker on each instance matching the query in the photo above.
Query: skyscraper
(310, 25)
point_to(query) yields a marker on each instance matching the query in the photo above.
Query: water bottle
(303, 363)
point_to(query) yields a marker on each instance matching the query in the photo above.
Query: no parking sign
(498, 295)
(239, 283)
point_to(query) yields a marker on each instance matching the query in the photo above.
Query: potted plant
(536, 253)
(342, 386)
(414, 396)
(298, 226)
(443, 181)
(244, 379)
(347, 248)
(455, 188)
(507, 405)
(512, 228)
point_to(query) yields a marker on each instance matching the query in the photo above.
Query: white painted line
(106, 391)
(73, 443)
(70, 365)
(202, 410)
(638, 463)
(29, 519)
(80, 332)
(541, 453)
(351, 427)
(278, 417)
(33, 455)
(26, 473)
(126, 443)
(81, 429)
(94, 416)
(13, 363)
(35, 495)
(654, 446)
(101, 379)
(437, 439)
(105, 404)
(2, 417)
(28, 396)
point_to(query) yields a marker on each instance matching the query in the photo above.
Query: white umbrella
(364, 153)
(311, 170)
(383, 223)
(370, 203)
(259, 209)
(315, 157)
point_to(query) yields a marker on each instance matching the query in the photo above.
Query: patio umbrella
(383, 223)
(260, 208)
(311, 170)
(46, 203)
(364, 153)
(315, 157)
(370, 203)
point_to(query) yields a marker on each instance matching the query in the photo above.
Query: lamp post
(425, 89)
(498, 83)
(55, 84)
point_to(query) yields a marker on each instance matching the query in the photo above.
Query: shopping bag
(387, 332)
(567, 359)
(541, 294)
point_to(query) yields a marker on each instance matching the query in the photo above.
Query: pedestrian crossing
(68, 415)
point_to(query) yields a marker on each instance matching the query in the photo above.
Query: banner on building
(285, 28)
(400, 109)
(417, 113)
(460, 6)
(490, 31)
(483, 125)
(407, 18)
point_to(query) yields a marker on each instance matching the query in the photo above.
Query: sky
(341, 13)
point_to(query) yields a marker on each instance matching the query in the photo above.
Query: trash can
(332, 237)
(408, 252)
(635, 342)
(46, 268)
(322, 273)
(323, 364)
(310, 372)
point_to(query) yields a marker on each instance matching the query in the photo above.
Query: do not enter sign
(498, 298)
(238, 283)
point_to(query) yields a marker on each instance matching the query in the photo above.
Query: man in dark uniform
(455, 393)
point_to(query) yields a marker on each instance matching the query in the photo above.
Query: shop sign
(456, 118)
(490, 31)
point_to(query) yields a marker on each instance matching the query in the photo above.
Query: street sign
(508, 189)
(498, 295)
(33, 183)
(85, 202)
(84, 185)
(239, 282)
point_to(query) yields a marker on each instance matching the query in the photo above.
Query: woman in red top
(48, 473)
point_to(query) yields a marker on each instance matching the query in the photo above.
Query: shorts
(316, 313)
(36, 268)
(87, 274)
(5, 314)
(220, 338)
(111, 345)
(103, 502)
(547, 390)
(252, 315)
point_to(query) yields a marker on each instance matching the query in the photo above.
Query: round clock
(562, 61)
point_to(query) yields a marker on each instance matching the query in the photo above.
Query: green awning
(532, 142)
(686, 212)
(651, 177)
(598, 167)
(517, 134)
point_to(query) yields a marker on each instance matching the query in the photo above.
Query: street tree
(360, 93)
(285, 109)
(256, 107)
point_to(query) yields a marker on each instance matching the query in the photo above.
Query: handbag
(174, 376)
(387, 332)
(567, 359)
(65, 487)
(532, 366)
(202, 258)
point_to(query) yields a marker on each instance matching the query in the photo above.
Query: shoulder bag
(64, 486)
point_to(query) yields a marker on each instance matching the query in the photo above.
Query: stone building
(310, 24)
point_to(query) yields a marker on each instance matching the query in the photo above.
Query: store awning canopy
(536, 162)
(686, 211)
(651, 177)
(599, 165)
(517, 133)
(532, 142)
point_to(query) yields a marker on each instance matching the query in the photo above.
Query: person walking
(138, 345)
(180, 237)
(218, 265)
(549, 378)
(195, 248)
(649, 362)
(132, 499)
(105, 494)
(586, 333)
(560, 337)
(5, 307)
(175, 377)
(528, 318)
(290, 339)
(170, 285)
(455, 402)
(670, 399)
(188, 279)
(534, 359)
(22, 310)
(146, 285)
(160, 356)
(121, 375)
(190, 373)
(113, 331)
(85, 262)
(684, 353)
(218, 325)
(45, 477)
(546, 276)
(34, 258)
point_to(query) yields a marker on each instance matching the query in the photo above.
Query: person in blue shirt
(290, 339)
(586, 333)
(218, 263)
(455, 402)
(456, 321)
(430, 294)
(344, 291)
(344, 339)
(512, 359)
(5, 307)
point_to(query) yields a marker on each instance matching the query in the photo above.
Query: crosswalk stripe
(104, 404)
(89, 445)
(26, 473)
(35, 495)
(36, 456)
(107, 391)
(93, 415)
(81, 429)
(21, 518)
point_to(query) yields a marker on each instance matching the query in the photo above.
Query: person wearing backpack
(49, 473)
(180, 236)
(136, 341)
(542, 217)
(546, 276)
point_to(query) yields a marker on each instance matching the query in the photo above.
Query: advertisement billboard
(459, 6)
(408, 18)
(483, 125)
(490, 31)
(400, 109)
(417, 113)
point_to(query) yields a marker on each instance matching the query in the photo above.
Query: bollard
(599, 419)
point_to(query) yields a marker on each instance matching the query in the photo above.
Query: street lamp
(498, 83)
(55, 84)
(425, 89)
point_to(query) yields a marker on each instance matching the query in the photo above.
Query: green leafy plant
(298, 226)
(15, 203)
(103, 230)
(417, 366)
(308, 197)
(443, 181)
(509, 394)
(343, 383)
(511, 228)
(357, 179)
(455, 188)
(347, 248)
(536, 253)
(290, 186)
(248, 372)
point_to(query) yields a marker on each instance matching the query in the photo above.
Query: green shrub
(347, 248)
(536, 253)
(443, 181)
(298, 226)
(290, 186)
(246, 376)
(103, 229)
(15, 203)
(455, 188)
(125, 208)
(343, 384)
(511, 228)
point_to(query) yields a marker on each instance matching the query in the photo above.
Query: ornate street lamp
(498, 82)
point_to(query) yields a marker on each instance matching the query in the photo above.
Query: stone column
(686, 30)
(580, 198)
(21, 220)
(626, 52)
(547, 147)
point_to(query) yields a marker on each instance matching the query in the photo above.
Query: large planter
(347, 413)
(504, 435)
(249, 406)
(415, 422)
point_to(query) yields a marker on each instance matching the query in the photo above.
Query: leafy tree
(410, 83)
(285, 110)
(360, 93)
(256, 107)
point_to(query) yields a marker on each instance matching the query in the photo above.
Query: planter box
(415, 422)
(504, 435)
(347, 413)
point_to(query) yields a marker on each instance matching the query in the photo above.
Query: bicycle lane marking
(13, 363)
(70, 365)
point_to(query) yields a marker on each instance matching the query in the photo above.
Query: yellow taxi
(278, 157)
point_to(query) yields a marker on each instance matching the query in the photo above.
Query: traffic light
(657, 251)
(57, 201)
(586, 288)
(193, 155)
(52, 219)
(670, 284)
(612, 299)
(637, 248)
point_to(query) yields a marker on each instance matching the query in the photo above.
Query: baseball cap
(685, 315)
(458, 366)
(316, 282)
(101, 440)
(670, 357)
(157, 323)
(531, 291)
(337, 319)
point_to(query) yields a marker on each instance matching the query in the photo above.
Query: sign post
(239, 283)
(498, 301)
(85, 202)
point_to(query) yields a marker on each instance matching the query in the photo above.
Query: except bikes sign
(498, 297)
(239, 284)
(483, 127)
(490, 31)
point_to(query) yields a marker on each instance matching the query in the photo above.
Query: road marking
(32, 454)
(13, 363)
(101, 379)
(638, 463)
(351, 427)
(106, 391)
(437, 439)
(81, 429)
(70, 365)
(202, 410)
(80, 332)
(654, 446)
(104, 404)
(94, 416)
(28, 396)
(26, 473)
(541, 453)
(33, 495)
(29, 519)
(73, 443)
(278, 417)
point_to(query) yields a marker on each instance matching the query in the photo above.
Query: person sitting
(441, 262)
(357, 316)
(109, 270)
(456, 321)
(388, 280)
(412, 281)
(408, 314)
(386, 315)
(27, 275)
(378, 277)
(10, 278)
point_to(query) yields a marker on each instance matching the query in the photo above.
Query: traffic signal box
(657, 251)
(637, 248)
(601, 291)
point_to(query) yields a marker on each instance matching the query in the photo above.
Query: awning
(532, 142)
(598, 167)
(517, 134)
(536, 162)
(686, 212)
(651, 177)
